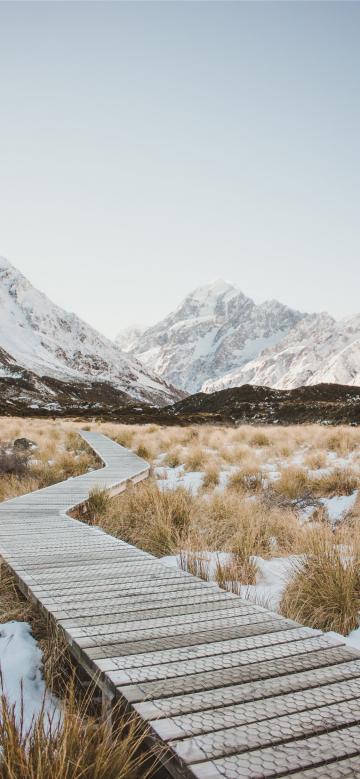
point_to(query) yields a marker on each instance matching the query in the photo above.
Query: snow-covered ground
(336, 506)
(171, 478)
(339, 505)
(272, 573)
(21, 669)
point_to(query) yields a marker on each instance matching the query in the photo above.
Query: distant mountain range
(46, 352)
(317, 350)
(215, 330)
(219, 338)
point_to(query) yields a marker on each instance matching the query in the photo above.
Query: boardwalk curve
(232, 689)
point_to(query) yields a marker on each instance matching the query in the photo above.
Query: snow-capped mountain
(317, 350)
(215, 330)
(38, 336)
(129, 336)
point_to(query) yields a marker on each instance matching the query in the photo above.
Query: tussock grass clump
(125, 437)
(156, 521)
(64, 467)
(211, 476)
(144, 451)
(244, 480)
(248, 528)
(342, 441)
(315, 459)
(11, 486)
(341, 481)
(324, 589)
(236, 572)
(97, 504)
(73, 442)
(260, 439)
(77, 746)
(13, 605)
(173, 458)
(236, 454)
(293, 483)
(195, 459)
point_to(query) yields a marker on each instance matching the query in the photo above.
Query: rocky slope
(321, 403)
(40, 341)
(329, 404)
(318, 349)
(216, 329)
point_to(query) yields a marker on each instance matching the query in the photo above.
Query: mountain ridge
(319, 349)
(218, 338)
(39, 337)
(214, 329)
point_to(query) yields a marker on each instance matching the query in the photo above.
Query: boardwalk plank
(233, 689)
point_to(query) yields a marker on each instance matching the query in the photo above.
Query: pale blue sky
(147, 148)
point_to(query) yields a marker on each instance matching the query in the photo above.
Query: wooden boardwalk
(233, 689)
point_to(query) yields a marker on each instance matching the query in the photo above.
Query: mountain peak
(214, 329)
(216, 287)
(5, 264)
(43, 338)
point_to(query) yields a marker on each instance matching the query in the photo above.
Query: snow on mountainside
(216, 329)
(317, 350)
(129, 336)
(40, 337)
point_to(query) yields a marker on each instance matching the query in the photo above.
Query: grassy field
(269, 513)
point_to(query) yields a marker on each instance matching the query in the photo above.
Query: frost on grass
(21, 669)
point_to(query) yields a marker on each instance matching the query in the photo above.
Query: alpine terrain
(317, 350)
(218, 338)
(50, 358)
(215, 330)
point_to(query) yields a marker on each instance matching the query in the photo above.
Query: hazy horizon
(149, 148)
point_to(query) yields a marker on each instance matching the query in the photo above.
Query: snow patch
(21, 664)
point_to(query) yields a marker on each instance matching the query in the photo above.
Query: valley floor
(269, 513)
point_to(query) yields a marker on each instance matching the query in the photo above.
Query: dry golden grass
(260, 438)
(211, 476)
(176, 521)
(82, 743)
(97, 505)
(341, 481)
(315, 459)
(324, 588)
(156, 521)
(196, 563)
(235, 573)
(195, 458)
(246, 480)
(251, 517)
(60, 453)
(79, 746)
(173, 458)
(293, 483)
